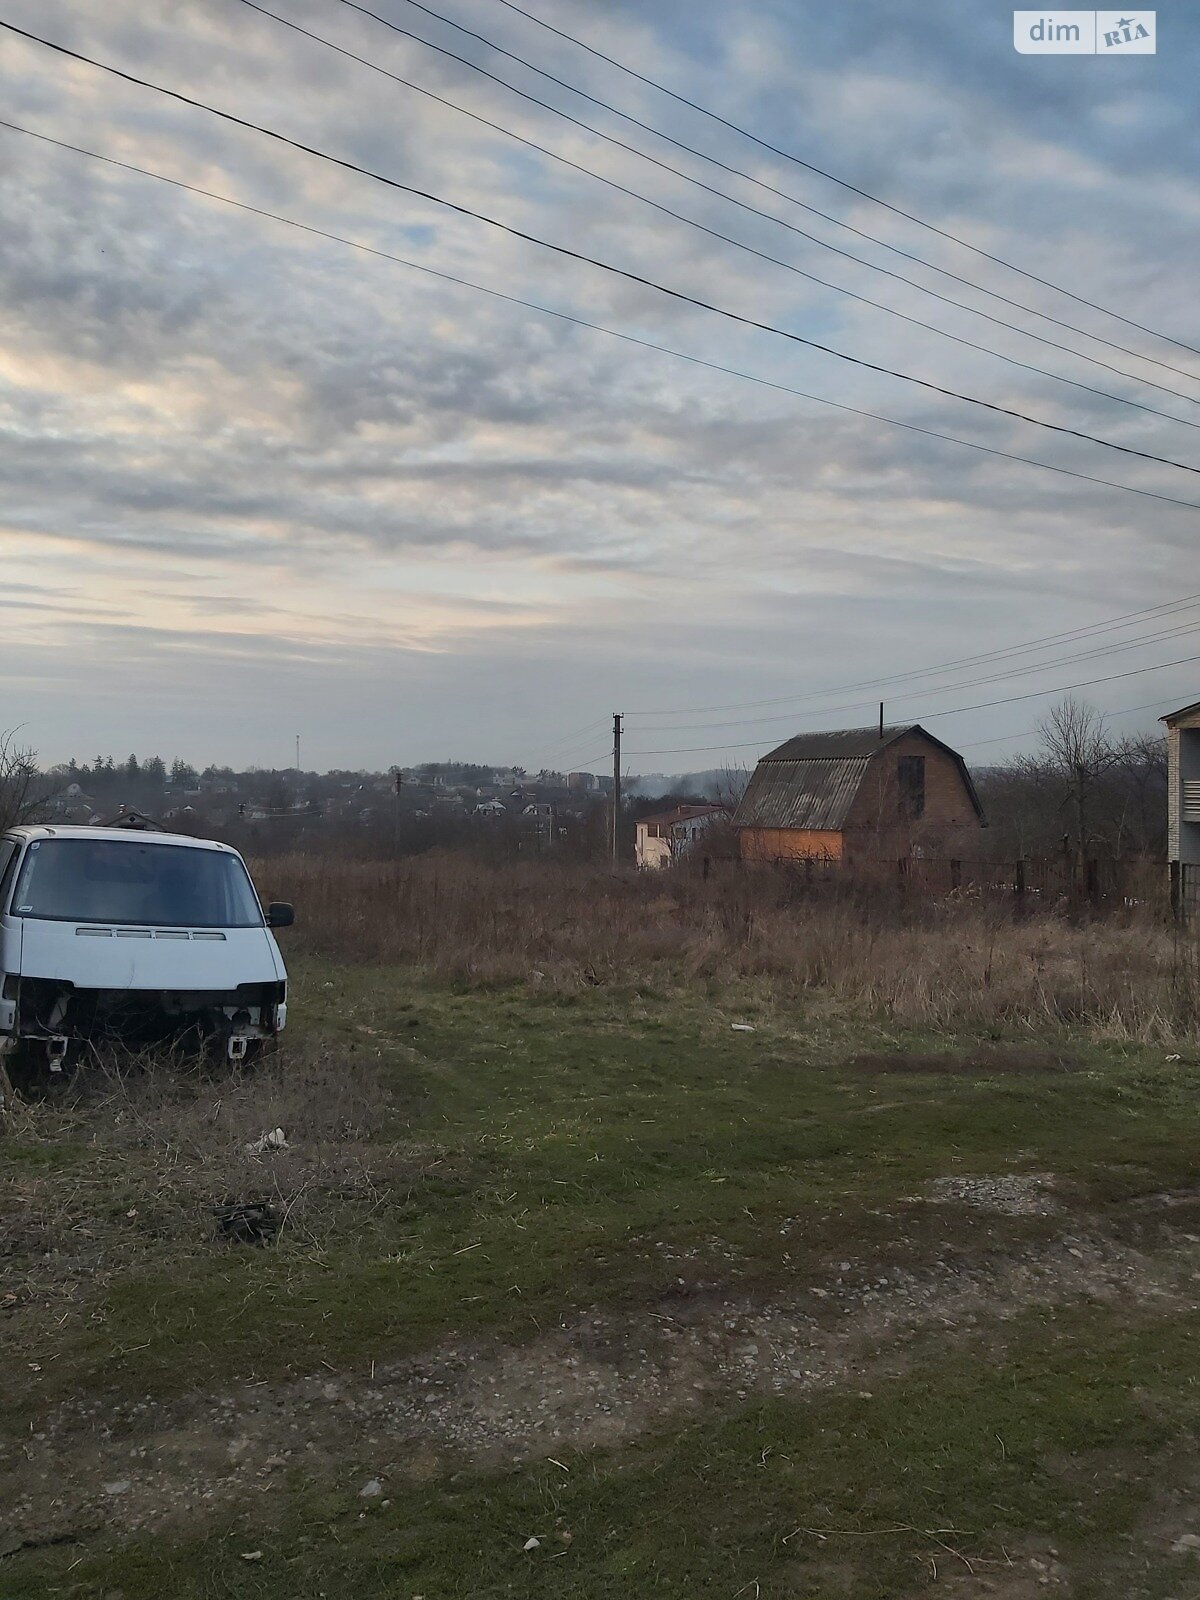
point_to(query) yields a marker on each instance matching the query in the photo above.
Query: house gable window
(910, 776)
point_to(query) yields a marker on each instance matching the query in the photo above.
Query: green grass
(539, 1153)
(1067, 1441)
(561, 1145)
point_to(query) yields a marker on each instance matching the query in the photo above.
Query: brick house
(860, 793)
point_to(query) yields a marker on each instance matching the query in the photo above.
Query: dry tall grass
(162, 1144)
(925, 962)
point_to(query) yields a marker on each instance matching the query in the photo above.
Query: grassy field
(846, 1305)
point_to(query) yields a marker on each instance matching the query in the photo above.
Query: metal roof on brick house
(835, 742)
(814, 794)
(812, 780)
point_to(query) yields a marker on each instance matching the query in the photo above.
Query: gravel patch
(1018, 1195)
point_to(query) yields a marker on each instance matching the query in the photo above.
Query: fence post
(1177, 890)
(1092, 879)
(1019, 878)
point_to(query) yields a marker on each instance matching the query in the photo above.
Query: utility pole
(399, 776)
(297, 753)
(881, 720)
(616, 811)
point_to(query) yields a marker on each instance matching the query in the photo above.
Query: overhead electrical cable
(596, 327)
(561, 741)
(725, 238)
(782, 194)
(587, 761)
(930, 716)
(1105, 625)
(770, 216)
(577, 255)
(1028, 733)
(564, 750)
(852, 188)
(947, 688)
(1025, 733)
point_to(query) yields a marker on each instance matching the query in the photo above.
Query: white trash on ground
(273, 1139)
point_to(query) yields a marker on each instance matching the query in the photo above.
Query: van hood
(92, 956)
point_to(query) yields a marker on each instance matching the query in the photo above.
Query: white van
(111, 932)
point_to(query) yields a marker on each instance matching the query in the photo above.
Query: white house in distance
(668, 835)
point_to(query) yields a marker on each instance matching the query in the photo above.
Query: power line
(930, 716)
(596, 327)
(604, 266)
(559, 742)
(567, 758)
(587, 761)
(842, 183)
(1004, 738)
(1028, 733)
(757, 211)
(947, 688)
(715, 233)
(1106, 625)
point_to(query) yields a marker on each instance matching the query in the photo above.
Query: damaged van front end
(143, 938)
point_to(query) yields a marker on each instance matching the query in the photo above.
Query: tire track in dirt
(596, 1381)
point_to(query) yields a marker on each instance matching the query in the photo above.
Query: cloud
(273, 471)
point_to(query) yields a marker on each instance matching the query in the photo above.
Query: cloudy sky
(258, 482)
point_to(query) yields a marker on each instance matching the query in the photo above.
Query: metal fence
(1185, 893)
(1059, 882)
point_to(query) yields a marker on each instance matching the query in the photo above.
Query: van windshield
(129, 881)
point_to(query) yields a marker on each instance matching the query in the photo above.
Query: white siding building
(1183, 786)
(669, 835)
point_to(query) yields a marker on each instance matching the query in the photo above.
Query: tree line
(1082, 791)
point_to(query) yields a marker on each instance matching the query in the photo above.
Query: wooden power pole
(616, 810)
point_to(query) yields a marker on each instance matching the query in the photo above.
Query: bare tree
(1139, 779)
(23, 791)
(729, 787)
(1078, 754)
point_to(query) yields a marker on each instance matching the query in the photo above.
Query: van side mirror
(280, 914)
